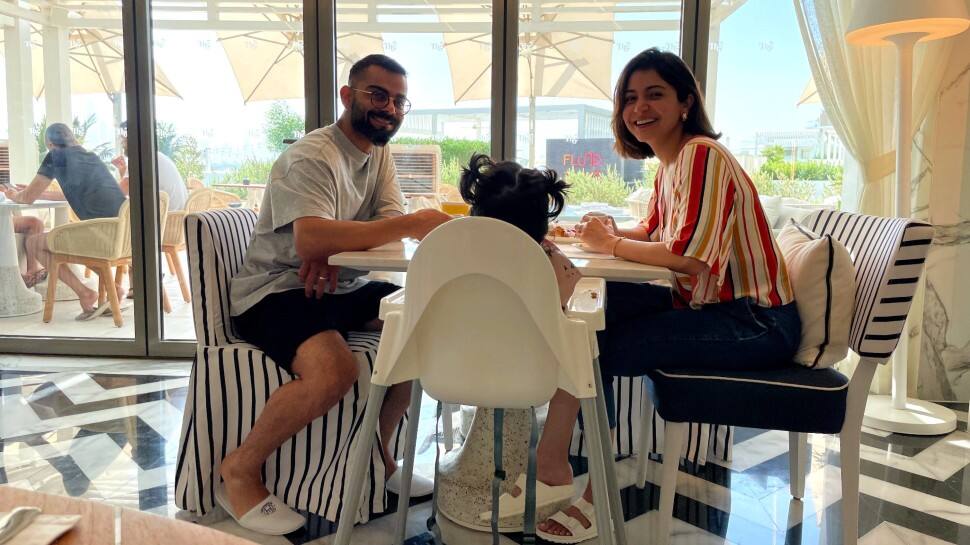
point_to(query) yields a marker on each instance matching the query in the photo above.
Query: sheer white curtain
(857, 87)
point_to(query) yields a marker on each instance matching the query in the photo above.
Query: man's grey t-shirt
(322, 175)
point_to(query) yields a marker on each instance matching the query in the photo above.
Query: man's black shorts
(280, 322)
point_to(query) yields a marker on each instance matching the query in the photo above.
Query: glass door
(221, 120)
(569, 58)
(446, 48)
(62, 103)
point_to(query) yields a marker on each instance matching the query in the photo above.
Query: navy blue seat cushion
(793, 398)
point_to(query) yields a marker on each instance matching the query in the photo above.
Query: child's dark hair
(525, 197)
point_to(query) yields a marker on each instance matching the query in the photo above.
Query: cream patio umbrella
(551, 64)
(809, 94)
(97, 64)
(268, 64)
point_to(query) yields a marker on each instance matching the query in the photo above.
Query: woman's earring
(683, 116)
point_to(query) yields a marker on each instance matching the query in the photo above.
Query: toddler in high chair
(525, 197)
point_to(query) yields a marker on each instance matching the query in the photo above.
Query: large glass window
(222, 118)
(446, 47)
(761, 95)
(570, 56)
(63, 77)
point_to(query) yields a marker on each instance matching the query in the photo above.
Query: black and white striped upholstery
(888, 254)
(231, 381)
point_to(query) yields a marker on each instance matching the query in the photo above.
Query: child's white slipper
(577, 533)
(271, 516)
(510, 506)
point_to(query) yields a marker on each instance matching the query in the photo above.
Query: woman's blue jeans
(644, 331)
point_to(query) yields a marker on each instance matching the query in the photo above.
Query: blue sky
(762, 71)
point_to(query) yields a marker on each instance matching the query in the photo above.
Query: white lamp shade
(875, 20)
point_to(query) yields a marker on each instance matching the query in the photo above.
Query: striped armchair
(888, 255)
(232, 380)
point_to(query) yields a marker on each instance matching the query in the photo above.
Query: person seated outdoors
(169, 179)
(527, 198)
(333, 190)
(88, 187)
(29, 225)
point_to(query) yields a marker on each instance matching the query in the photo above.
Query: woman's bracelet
(615, 244)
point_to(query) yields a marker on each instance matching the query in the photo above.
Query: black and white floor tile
(107, 429)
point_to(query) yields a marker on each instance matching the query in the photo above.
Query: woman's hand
(606, 219)
(598, 235)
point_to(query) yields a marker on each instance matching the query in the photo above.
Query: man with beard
(332, 191)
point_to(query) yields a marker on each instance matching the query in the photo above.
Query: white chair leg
(609, 461)
(646, 432)
(797, 463)
(410, 446)
(358, 464)
(674, 433)
(449, 425)
(849, 447)
(597, 472)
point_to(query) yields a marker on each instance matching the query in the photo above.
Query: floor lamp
(903, 23)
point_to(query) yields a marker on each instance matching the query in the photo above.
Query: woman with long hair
(730, 305)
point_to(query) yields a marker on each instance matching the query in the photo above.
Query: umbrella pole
(532, 130)
(117, 111)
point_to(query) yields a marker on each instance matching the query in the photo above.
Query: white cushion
(787, 213)
(772, 207)
(823, 278)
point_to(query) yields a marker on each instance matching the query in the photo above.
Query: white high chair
(479, 323)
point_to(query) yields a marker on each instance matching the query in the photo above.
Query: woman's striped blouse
(706, 207)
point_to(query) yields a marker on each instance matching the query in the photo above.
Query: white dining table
(15, 298)
(395, 257)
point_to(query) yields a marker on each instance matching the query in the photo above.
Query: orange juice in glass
(455, 208)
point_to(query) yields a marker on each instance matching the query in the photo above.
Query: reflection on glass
(761, 95)
(570, 56)
(232, 108)
(62, 101)
(446, 47)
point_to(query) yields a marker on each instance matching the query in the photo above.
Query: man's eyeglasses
(379, 98)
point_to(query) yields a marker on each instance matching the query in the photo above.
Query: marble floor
(107, 429)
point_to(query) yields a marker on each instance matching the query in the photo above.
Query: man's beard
(360, 121)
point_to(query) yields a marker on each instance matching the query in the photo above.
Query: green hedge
(586, 187)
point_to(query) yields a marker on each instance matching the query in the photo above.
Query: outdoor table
(254, 192)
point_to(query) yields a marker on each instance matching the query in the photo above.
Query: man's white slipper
(577, 533)
(420, 485)
(271, 516)
(510, 506)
